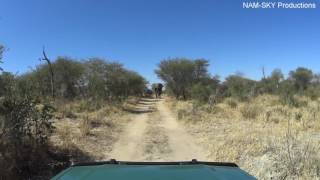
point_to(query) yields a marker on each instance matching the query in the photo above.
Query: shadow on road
(144, 105)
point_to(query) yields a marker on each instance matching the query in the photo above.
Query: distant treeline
(190, 79)
(94, 78)
(98, 79)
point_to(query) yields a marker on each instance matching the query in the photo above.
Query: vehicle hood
(152, 172)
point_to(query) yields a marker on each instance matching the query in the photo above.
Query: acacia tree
(301, 78)
(180, 74)
(68, 72)
(95, 79)
(121, 82)
(238, 86)
(276, 77)
(110, 80)
(136, 83)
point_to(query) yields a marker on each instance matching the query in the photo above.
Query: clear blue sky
(140, 33)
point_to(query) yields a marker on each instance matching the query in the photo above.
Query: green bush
(25, 130)
(292, 100)
(181, 74)
(313, 92)
(301, 78)
(201, 92)
(239, 87)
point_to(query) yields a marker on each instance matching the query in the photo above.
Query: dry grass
(85, 126)
(94, 131)
(232, 103)
(250, 111)
(257, 136)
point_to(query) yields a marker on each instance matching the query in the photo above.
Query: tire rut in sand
(129, 146)
(156, 136)
(182, 144)
(156, 141)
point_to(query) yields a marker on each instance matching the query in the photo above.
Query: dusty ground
(145, 130)
(155, 136)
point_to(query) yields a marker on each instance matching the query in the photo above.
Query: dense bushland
(190, 79)
(25, 128)
(28, 105)
(269, 126)
(186, 78)
(92, 79)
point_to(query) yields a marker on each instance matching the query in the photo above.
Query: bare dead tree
(263, 73)
(1, 52)
(45, 58)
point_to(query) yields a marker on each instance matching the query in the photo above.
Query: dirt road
(155, 136)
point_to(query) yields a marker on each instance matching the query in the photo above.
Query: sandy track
(155, 136)
(182, 144)
(129, 147)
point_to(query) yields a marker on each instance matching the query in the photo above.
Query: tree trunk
(45, 58)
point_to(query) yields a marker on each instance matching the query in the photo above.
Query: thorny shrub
(24, 132)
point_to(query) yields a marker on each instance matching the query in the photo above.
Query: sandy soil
(154, 134)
